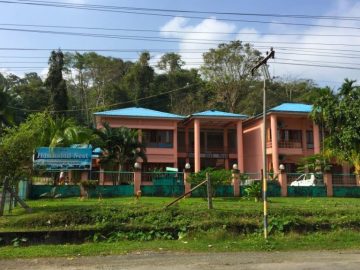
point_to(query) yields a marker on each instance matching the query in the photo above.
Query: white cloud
(215, 30)
(319, 74)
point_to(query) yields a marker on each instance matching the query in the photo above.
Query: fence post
(283, 183)
(84, 175)
(186, 183)
(329, 184)
(357, 179)
(101, 177)
(137, 181)
(236, 182)
(209, 195)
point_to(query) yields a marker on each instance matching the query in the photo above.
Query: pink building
(291, 135)
(219, 139)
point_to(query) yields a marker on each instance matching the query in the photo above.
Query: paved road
(318, 260)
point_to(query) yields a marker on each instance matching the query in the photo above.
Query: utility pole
(266, 75)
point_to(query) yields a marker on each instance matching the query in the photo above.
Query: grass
(149, 213)
(253, 242)
(125, 225)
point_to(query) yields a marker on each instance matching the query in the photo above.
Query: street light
(235, 166)
(187, 166)
(282, 167)
(137, 166)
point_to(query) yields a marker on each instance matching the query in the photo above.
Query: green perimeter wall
(353, 192)
(177, 190)
(307, 191)
(74, 191)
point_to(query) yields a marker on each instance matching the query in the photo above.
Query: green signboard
(62, 158)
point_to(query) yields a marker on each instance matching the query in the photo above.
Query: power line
(315, 65)
(176, 31)
(302, 16)
(128, 11)
(172, 40)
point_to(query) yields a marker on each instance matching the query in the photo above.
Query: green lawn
(123, 225)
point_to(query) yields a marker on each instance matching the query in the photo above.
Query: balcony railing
(209, 149)
(286, 144)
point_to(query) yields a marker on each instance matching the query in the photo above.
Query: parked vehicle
(307, 180)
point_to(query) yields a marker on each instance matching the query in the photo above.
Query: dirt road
(328, 260)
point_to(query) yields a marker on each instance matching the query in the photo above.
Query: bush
(254, 191)
(217, 177)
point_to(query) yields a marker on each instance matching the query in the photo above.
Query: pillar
(303, 137)
(346, 173)
(197, 145)
(84, 175)
(186, 183)
(236, 182)
(283, 183)
(140, 135)
(226, 148)
(187, 147)
(175, 144)
(239, 145)
(329, 184)
(316, 134)
(274, 143)
(137, 181)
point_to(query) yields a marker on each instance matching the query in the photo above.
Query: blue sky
(22, 14)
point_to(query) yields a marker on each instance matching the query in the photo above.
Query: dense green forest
(79, 84)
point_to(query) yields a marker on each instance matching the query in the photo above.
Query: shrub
(217, 177)
(254, 191)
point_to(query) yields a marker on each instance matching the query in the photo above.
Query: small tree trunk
(119, 174)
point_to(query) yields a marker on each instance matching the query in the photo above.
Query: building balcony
(210, 150)
(286, 144)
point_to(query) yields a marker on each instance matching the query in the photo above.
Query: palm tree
(120, 146)
(65, 132)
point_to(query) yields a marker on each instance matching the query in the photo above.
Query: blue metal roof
(214, 113)
(138, 112)
(292, 107)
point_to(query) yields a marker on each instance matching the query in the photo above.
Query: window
(310, 139)
(158, 138)
(290, 135)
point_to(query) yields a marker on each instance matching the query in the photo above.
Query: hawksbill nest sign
(62, 158)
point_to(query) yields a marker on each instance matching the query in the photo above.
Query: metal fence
(163, 178)
(249, 178)
(344, 179)
(114, 178)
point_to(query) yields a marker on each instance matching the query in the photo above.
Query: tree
(95, 82)
(6, 115)
(227, 69)
(170, 62)
(138, 80)
(56, 83)
(64, 132)
(18, 144)
(121, 146)
(339, 113)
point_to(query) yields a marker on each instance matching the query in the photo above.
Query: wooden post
(329, 184)
(209, 195)
(3, 196)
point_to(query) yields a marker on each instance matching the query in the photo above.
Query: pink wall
(154, 155)
(253, 141)
(253, 147)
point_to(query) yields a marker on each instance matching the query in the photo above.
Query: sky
(307, 46)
